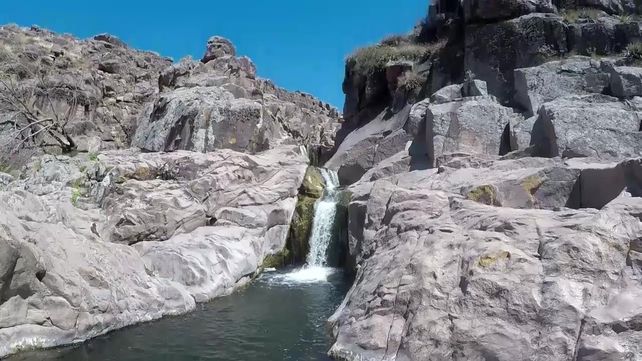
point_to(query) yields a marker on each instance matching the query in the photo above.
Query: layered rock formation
(148, 186)
(496, 210)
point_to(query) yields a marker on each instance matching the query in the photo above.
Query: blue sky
(299, 44)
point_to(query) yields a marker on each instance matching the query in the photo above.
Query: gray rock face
(443, 275)
(587, 126)
(201, 224)
(494, 50)
(574, 76)
(626, 81)
(107, 96)
(97, 87)
(370, 144)
(221, 104)
(473, 125)
(492, 10)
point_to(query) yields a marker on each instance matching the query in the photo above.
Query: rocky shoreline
(493, 156)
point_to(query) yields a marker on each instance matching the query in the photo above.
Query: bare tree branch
(30, 110)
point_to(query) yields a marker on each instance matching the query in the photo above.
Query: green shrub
(372, 59)
(411, 82)
(76, 193)
(634, 51)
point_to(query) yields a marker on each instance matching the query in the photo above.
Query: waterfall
(325, 212)
(323, 232)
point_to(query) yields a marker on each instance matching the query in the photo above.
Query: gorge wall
(133, 187)
(494, 157)
(494, 160)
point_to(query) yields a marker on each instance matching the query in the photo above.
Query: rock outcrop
(505, 223)
(148, 186)
(92, 245)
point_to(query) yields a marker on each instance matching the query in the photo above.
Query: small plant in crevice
(411, 83)
(76, 193)
(634, 52)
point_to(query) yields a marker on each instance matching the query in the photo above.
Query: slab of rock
(472, 125)
(370, 144)
(442, 277)
(587, 126)
(493, 51)
(202, 225)
(574, 76)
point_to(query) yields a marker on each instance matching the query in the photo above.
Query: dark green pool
(278, 317)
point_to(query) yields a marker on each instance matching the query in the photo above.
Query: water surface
(280, 316)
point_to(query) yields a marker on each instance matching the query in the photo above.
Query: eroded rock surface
(201, 224)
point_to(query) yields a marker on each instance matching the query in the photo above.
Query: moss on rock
(300, 229)
(485, 194)
(276, 260)
(313, 183)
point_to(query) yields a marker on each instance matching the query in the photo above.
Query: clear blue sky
(299, 44)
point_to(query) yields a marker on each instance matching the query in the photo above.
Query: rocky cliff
(133, 187)
(495, 160)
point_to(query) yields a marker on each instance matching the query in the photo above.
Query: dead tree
(29, 118)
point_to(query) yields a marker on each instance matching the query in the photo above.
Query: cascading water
(325, 212)
(323, 232)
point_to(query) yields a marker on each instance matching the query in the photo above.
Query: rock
(489, 10)
(472, 125)
(574, 76)
(301, 228)
(201, 223)
(440, 276)
(447, 94)
(493, 51)
(81, 81)
(218, 47)
(365, 147)
(626, 81)
(474, 88)
(313, 183)
(583, 126)
(603, 35)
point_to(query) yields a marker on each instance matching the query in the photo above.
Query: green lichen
(76, 193)
(313, 183)
(93, 156)
(300, 229)
(485, 194)
(276, 260)
(531, 184)
(490, 260)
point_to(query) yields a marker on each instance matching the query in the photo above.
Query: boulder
(218, 47)
(573, 76)
(583, 126)
(447, 94)
(473, 125)
(626, 81)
